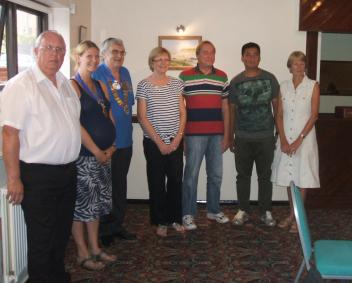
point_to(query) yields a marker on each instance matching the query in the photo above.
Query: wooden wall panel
(312, 54)
(335, 160)
(326, 15)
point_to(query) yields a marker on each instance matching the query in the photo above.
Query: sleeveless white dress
(303, 166)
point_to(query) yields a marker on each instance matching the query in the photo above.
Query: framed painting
(82, 33)
(182, 49)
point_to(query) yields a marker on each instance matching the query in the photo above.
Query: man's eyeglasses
(118, 52)
(53, 49)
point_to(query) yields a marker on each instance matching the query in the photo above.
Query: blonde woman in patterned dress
(93, 164)
(296, 156)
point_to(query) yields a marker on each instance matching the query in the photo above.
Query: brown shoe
(286, 222)
(294, 228)
(104, 257)
(178, 227)
(161, 231)
(90, 264)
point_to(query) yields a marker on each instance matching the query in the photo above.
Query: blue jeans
(196, 148)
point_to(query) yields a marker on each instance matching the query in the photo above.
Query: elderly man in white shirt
(41, 140)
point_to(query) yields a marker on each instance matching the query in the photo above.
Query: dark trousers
(164, 173)
(120, 164)
(48, 204)
(260, 152)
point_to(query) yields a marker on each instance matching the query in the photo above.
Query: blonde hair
(296, 55)
(80, 49)
(157, 51)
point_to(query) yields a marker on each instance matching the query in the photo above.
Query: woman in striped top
(162, 115)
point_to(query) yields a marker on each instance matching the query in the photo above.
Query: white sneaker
(218, 217)
(188, 222)
(268, 219)
(240, 218)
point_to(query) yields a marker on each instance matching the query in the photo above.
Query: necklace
(96, 96)
(115, 86)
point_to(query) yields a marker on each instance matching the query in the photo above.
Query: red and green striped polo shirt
(204, 95)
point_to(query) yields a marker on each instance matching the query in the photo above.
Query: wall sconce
(180, 28)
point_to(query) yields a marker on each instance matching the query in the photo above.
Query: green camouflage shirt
(252, 97)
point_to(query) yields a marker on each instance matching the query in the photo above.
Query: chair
(332, 258)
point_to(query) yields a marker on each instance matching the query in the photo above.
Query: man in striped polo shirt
(206, 133)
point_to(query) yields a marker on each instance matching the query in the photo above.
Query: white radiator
(14, 241)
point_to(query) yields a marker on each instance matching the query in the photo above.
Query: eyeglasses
(118, 52)
(161, 60)
(53, 49)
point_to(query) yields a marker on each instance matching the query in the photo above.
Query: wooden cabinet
(334, 137)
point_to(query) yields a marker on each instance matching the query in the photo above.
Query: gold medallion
(115, 86)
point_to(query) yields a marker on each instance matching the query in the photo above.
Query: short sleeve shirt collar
(197, 69)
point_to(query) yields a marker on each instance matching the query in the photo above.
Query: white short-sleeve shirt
(46, 116)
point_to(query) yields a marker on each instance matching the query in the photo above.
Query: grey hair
(45, 33)
(108, 42)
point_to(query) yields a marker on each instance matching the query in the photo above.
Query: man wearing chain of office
(118, 82)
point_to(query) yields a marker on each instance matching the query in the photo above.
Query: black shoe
(60, 278)
(125, 235)
(67, 278)
(106, 241)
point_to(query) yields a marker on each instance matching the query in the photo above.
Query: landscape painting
(182, 49)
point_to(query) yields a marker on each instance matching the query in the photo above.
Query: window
(19, 27)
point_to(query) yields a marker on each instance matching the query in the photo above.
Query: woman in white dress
(296, 156)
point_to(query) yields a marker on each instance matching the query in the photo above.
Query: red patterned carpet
(213, 253)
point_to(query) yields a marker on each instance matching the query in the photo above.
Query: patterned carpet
(213, 253)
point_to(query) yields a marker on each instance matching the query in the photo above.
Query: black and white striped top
(163, 106)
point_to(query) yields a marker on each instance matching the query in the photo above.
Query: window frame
(9, 19)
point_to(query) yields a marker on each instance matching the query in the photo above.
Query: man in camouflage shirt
(253, 97)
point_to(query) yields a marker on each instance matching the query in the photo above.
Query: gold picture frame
(182, 49)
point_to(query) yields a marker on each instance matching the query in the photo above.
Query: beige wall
(81, 17)
(228, 23)
(142, 23)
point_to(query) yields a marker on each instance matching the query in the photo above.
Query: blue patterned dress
(94, 179)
